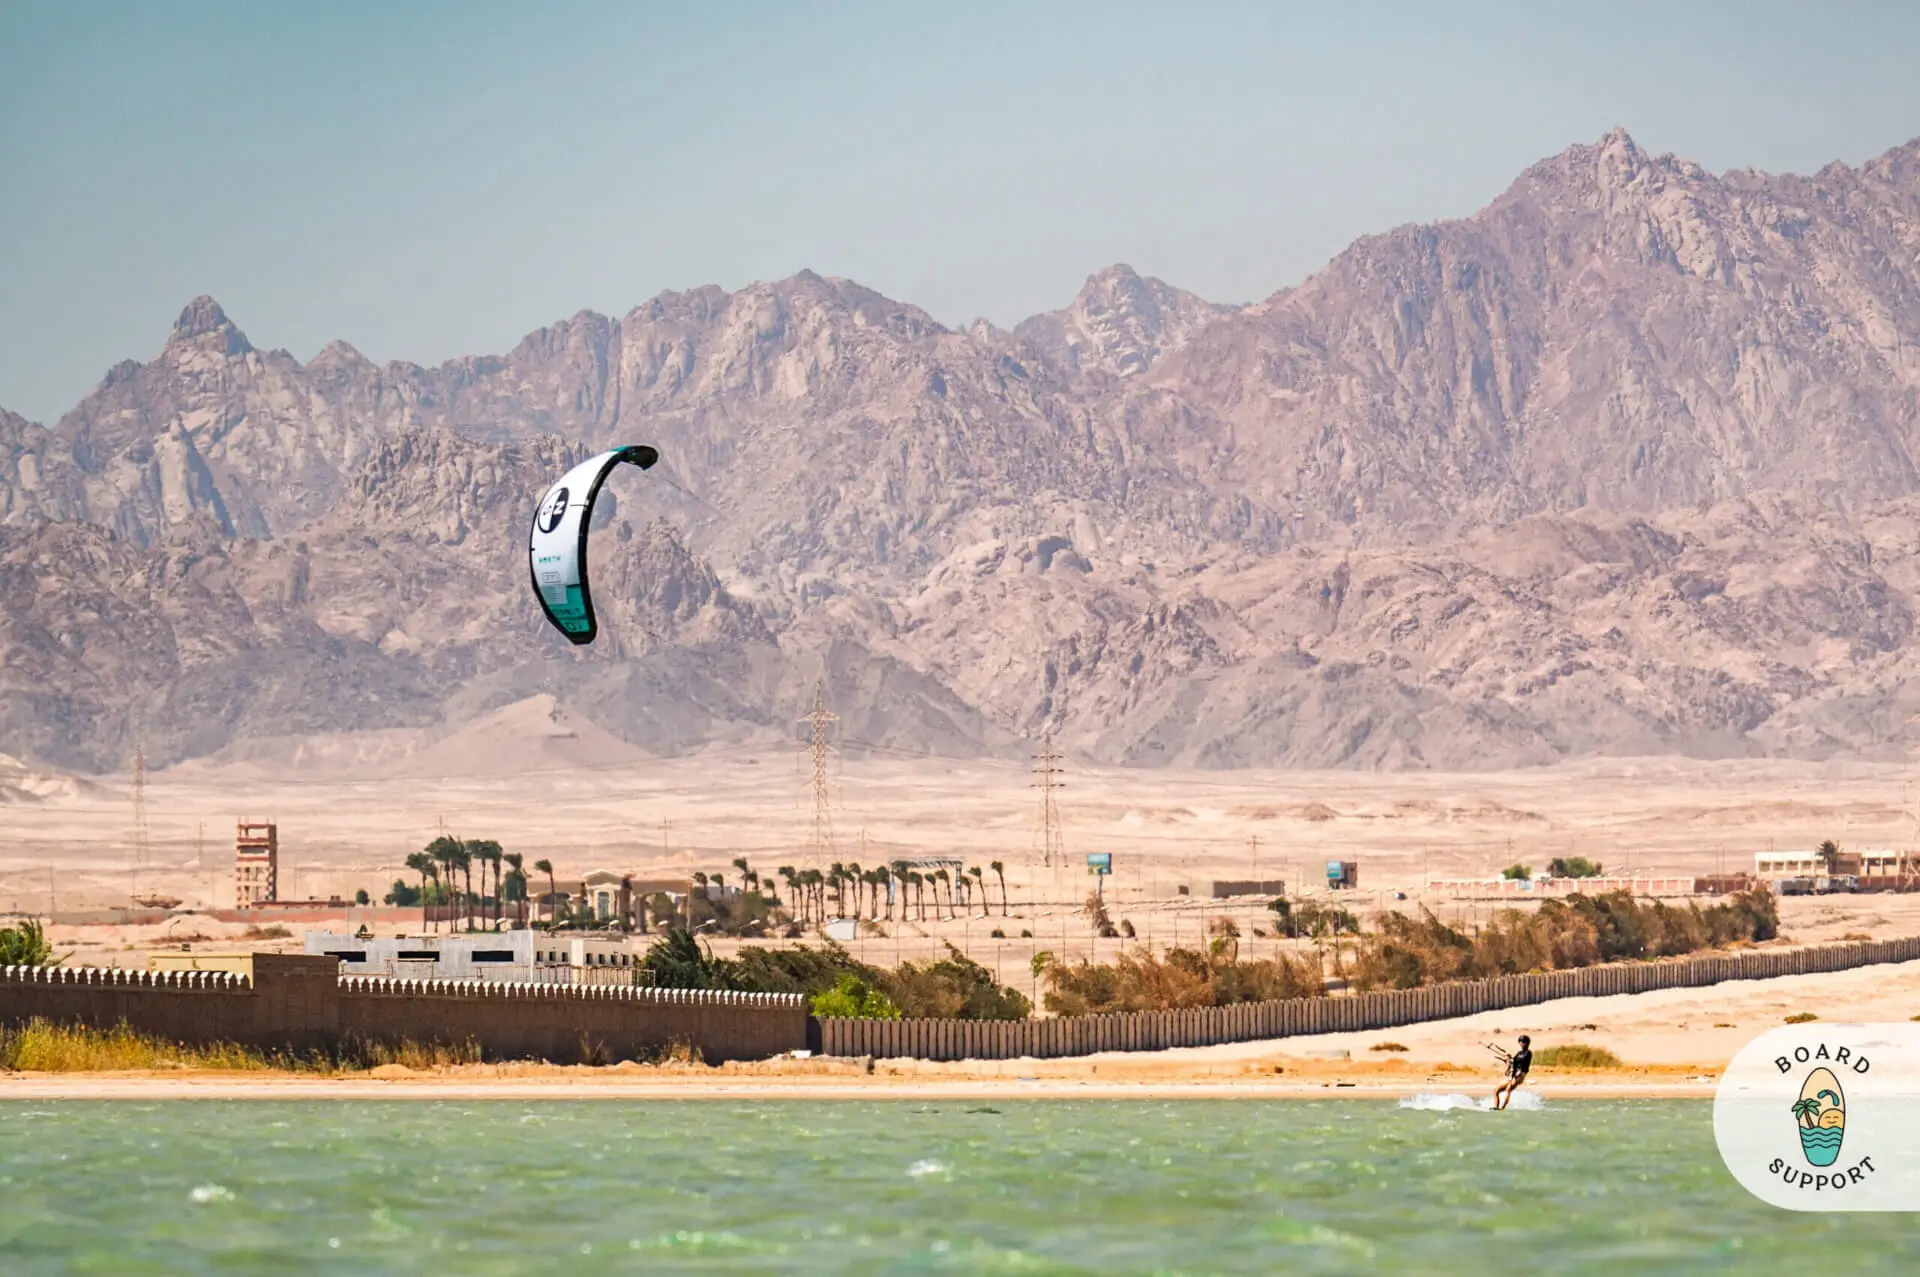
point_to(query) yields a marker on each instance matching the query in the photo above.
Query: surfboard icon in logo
(1821, 1114)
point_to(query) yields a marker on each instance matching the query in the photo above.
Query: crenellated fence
(302, 1003)
(1296, 1017)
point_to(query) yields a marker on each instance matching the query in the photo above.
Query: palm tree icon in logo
(1821, 1115)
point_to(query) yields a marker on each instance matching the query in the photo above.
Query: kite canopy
(557, 550)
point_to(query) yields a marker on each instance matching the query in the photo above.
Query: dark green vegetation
(1308, 918)
(953, 987)
(1580, 931)
(1574, 867)
(25, 945)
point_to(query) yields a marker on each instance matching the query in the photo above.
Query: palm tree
(487, 853)
(462, 860)
(980, 883)
(942, 876)
(553, 890)
(421, 863)
(1000, 872)
(444, 851)
(854, 879)
(919, 883)
(788, 876)
(748, 877)
(516, 873)
(1829, 856)
(1807, 1111)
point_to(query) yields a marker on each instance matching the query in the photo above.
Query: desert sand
(350, 809)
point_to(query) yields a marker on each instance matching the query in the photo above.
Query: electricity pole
(820, 843)
(1047, 768)
(139, 818)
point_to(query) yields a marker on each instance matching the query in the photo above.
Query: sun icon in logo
(1821, 1114)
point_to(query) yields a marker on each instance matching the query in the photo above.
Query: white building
(526, 956)
(1873, 862)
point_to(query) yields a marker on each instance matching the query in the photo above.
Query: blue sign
(1100, 862)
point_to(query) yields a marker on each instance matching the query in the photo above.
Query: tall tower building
(256, 864)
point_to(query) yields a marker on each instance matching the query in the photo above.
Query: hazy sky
(427, 180)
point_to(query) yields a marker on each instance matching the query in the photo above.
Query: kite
(557, 551)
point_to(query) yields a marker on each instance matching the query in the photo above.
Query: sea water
(1011, 1186)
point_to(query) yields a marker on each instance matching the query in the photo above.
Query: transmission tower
(139, 813)
(820, 844)
(1047, 768)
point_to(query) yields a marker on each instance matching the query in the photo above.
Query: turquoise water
(849, 1186)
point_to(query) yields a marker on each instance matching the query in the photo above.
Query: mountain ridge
(1168, 530)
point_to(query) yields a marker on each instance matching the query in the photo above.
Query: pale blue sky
(427, 180)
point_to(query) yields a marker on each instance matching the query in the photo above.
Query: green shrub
(853, 998)
(1517, 873)
(1576, 1055)
(25, 945)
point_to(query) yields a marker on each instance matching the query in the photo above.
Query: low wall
(299, 1003)
(1255, 1021)
(573, 1022)
(287, 1002)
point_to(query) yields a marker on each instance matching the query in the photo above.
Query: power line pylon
(139, 812)
(1047, 768)
(820, 844)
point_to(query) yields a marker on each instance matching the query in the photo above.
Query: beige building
(256, 865)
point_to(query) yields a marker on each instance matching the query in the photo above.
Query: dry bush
(1096, 911)
(40, 1047)
(419, 1056)
(1143, 981)
(1405, 952)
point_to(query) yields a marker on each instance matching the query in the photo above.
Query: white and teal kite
(557, 552)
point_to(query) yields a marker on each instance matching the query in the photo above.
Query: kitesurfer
(1517, 1066)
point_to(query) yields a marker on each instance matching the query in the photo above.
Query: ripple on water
(1070, 1185)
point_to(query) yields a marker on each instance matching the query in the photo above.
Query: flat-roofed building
(536, 957)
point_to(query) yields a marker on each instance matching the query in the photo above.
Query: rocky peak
(1120, 324)
(204, 324)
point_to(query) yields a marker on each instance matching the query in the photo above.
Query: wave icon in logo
(1821, 1114)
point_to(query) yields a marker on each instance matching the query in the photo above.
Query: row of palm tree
(874, 891)
(447, 857)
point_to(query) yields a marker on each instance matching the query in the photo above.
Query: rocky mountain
(1620, 464)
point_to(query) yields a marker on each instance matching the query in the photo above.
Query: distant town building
(256, 870)
(536, 957)
(1869, 863)
(1343, 874)
(1227, 887)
